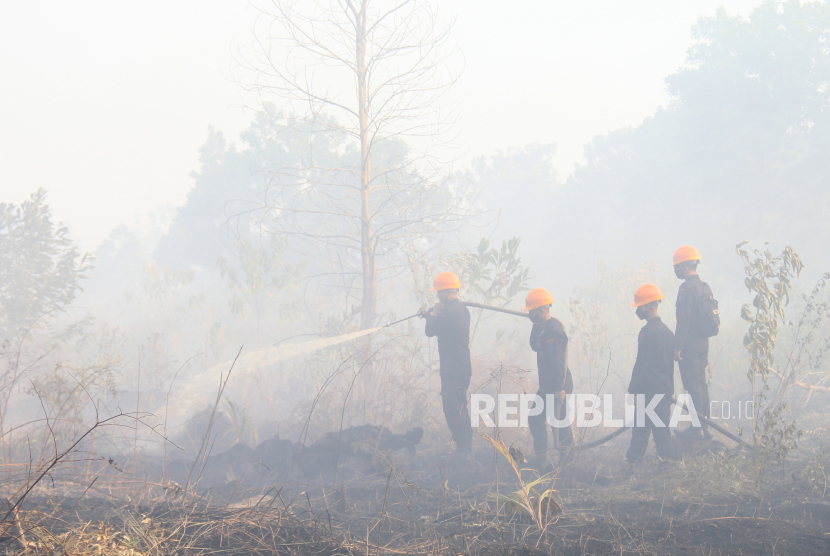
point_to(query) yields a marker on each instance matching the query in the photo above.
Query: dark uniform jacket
(452, 328)
(654, 369)
(687, 337)
(550, 343)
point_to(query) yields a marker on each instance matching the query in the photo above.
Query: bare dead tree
(363, 82)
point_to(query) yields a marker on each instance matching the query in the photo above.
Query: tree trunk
(367, 241)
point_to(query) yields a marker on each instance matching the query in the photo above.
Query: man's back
(692, 346)
(687, 335)
(654, 368)
(452, 328)
(550, 342)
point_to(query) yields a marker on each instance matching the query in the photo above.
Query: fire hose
(469, 304)
(496, 309)
(621, 430)
(595, 443)
(607, 437)
(724, 432)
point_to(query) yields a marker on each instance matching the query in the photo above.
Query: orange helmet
(685, 253)
(645, 294)
(446, 281)
(537, 298)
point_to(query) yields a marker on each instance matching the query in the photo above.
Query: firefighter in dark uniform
(691, 347)
(549, 341)
(653, 375)
(449, 321)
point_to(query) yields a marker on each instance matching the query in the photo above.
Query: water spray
(200, 391)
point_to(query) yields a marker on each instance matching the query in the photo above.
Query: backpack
(708, 315)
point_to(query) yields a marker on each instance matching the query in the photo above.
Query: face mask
(641, 314)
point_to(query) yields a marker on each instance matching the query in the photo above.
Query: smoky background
(249, 320)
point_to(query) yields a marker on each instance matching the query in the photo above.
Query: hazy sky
(106, 103)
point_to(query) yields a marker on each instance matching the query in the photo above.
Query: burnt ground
(717, 501)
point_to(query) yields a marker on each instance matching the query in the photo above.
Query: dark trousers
(454, 400)
(662, 435)
(693, 374)
(538, 426)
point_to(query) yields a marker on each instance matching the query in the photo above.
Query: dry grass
(724, 502)
(75, 502)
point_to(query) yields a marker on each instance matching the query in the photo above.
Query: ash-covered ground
(364, 490)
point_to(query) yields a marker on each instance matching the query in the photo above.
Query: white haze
(105, 104)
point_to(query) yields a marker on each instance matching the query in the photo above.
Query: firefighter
(549, 341)
(449, 321)
(691, 343)
(653, 375)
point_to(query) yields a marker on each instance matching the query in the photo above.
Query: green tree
(492, 276)
(741, 151)
(40, 267)
(769, 279)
